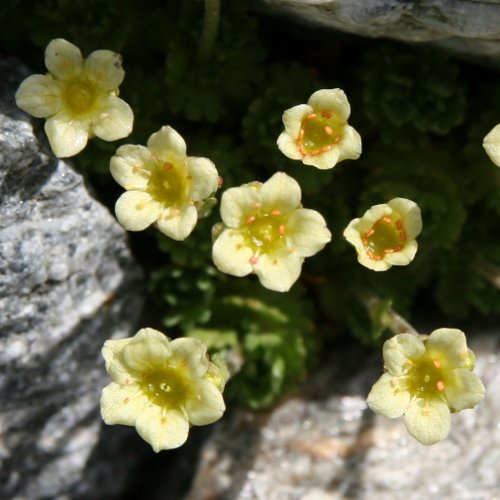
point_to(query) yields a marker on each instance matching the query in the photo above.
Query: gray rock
(469, 28)
(67, 283)
(324, 444)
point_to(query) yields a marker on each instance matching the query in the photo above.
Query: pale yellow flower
(426, 379)
(267, 232)
(164, 185)
(317, 133)
(78, 97)
(161, 387)
(491, 144)
(385, 235)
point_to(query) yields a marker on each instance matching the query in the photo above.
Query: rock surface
(325, 444)
(470, 28)
(67, 283)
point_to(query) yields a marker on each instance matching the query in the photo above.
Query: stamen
(311, 116)
(337, 139)
(302, 150)
(276, 212)
(402, 236)
(369, 233)
(254, 260)
(282, 230)
(386, 219)
(167, 166)
(437, 363)
(326, 114)
(329, 130)
(220, 182)
(373, 256)
(301, 134)
(250, 219)
(324, 149)
(399, 225)
(440, 385)
(316, 152)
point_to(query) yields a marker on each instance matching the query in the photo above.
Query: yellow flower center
(79, 97)
(168, 387)
(168, 184)
(265, 232)
(319, 133)
(426, 378)
(386, 236)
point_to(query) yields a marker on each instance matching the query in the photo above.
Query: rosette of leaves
(408, 89)
(220, 87)
(269, 335)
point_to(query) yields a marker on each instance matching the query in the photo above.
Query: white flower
(78, 97)
(164, 185)
(385, 235)
(267, 232)
(491, 144)
(317, 132)
(426, 378)
(161, 387)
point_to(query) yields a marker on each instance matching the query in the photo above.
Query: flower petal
(178, 222)
(207, 404)
(162, 429)
(122, 404)
(428, 421)
(306, 232)
(204, 178)
(280, 192)
(131, 166)
(113, 119)
(491, 144)
(104, 69)
(136, 210)
(288, 146)
(278, 271)
(111, 353)
(410, 213)
(350, 145)
(67, 137)
(387, 397)
(463, 389)
(292, 119)
(323, 161)
(449, 346)
(404, 256)
(193, 352)
(231, 255)
(238, 202)
(332, 100)
(40, 96)
(168, 145)
(148, 349)
(63, 59)
(400, 351)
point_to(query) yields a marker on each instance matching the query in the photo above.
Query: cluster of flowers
(162, 387)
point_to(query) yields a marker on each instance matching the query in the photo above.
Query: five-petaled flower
(426, 379)
(317, 132)
(78, 97)
(162, 184)
(491, 144)
(267, 232)
(161, 387)
(385, 235)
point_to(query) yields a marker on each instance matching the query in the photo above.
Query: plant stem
(210, 29)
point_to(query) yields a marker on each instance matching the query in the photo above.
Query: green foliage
(421, 116)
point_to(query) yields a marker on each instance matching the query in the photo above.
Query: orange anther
(276, 212)
(254, 260)
(326, 114)
(250, 219)
(311, 116)
(437, 363)
(324, 149)
(301, 134)
(282, 230)
(316, 152)
(402, 236)
(440, 385)
(386, 219)
(369, 233)
(302, 150)
(168, 166)
(329, 130)
(337, 139)
(399, 225)
(389, 250)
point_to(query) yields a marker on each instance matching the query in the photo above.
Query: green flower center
(168, 184)
(386, 236)
(79, 97)
(168, 387)
(426, 378)
(265, 232)
(319, 133)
